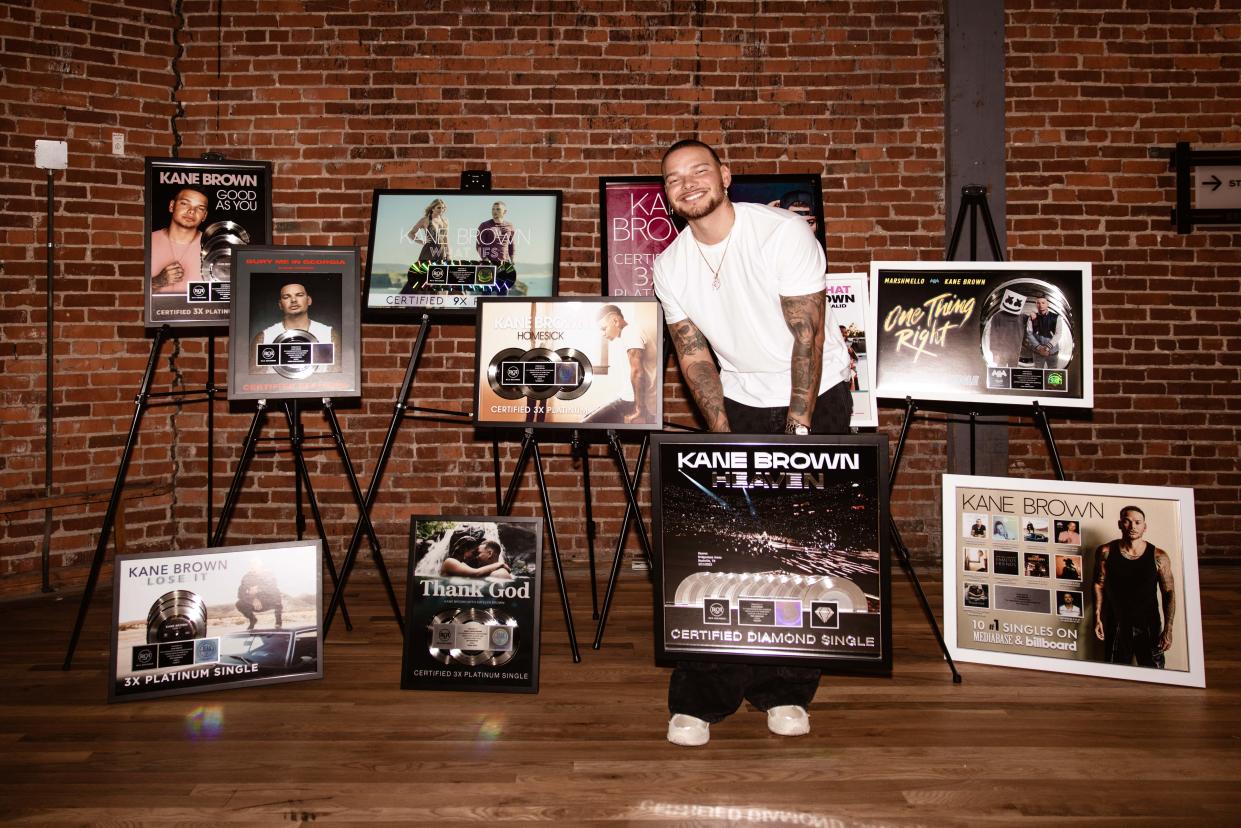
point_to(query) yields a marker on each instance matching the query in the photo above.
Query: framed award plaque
(472, 604)
(294, 331)
(196, 213)
(772, 548)
(1094, 579)
(214, 619)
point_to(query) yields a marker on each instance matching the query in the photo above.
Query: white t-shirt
(618, 362)
(769, 253)
(321, 332)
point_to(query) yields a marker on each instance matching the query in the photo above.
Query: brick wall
(346, 97)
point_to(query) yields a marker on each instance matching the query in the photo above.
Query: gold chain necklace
(715, 271)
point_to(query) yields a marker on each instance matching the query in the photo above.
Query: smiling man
(176, 250)
(746, 281)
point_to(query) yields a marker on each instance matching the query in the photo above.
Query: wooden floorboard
(1005, 747)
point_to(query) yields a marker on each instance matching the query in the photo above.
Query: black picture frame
(190, 285)
(522, 346)
(772, 549)
(410, 273)
(473, 632)
(178, 624)
(635, 224)
(268, 361)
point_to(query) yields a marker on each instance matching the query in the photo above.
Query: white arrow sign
(1217, 188)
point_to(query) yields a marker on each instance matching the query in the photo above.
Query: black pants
(711, 690)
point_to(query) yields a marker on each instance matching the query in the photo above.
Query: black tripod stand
(142, 401)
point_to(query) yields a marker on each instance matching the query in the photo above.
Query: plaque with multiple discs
(472, 604)
(197, 213)
(211, 619)
(569, 363)
(636, 224)
(438, 251)
(1095, 579)
(772, 549)
(294, 330)
(984, 332)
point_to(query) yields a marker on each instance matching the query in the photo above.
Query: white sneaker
(688, 731)
(788, 720)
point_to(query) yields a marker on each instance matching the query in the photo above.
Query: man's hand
(1165, 639)
(170, 275)
(1098, 627)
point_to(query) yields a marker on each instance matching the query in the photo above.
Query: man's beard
(700, 208)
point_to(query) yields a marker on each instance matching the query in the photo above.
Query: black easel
(581, 450)
(399, 412)
(530, 449)
(633, 516)
(142, 401)
(292, 412)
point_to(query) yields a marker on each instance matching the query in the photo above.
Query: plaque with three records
(472, 604)
(210, 619)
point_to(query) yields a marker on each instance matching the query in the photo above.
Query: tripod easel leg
(619, 555)
(582, 452)
(364, 519)
(903, 553)
(114, 502)
(551, 536)
(239, 476)
(292, 413)
(1044, 425)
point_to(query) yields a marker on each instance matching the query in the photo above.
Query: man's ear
(726, 175)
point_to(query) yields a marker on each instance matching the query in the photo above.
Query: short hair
(490, 544)
(181, 190)
(1132, 509)
(608, 310)
(499, 204)
(690, 142)
(797, 197)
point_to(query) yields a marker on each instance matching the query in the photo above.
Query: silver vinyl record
(586, 376)
(218, 242)
(295, 371)
(473, 637)
(510, 391)
(541, 392)
(179, 615)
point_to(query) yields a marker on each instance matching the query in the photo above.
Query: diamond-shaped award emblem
(824, 614)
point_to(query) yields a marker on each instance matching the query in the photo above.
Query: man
(1070, 534)
(294, 304)
(259, 592)
(979, 529)
(1041, 334)
(496, 237)
(629, 353)
(1132, 581)
(176, 250)
(1068, 606)
(747, 282)
(1068, 571)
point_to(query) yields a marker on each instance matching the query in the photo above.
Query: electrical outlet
(118, 143)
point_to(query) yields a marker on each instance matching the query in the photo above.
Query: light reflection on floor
(204, 723)
(752, 815)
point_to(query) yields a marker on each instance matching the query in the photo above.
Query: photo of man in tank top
(1133, 586)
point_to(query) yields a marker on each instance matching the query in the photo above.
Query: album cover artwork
(636, 224)
(848, 304)
(196, 213)
(212, 619)
(569, 363)
(472, 604)
(294, 331)
(984, 332)
(772, 549)
(1114, 593)
(437, 252)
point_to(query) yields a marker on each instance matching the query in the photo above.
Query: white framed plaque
(1098, 579)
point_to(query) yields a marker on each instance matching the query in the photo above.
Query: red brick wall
(342, 102)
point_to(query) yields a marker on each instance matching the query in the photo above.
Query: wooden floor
(1005, 747)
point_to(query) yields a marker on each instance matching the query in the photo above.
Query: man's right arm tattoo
(698, 369)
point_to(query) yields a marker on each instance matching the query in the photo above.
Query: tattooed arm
(804, 316)
(700, 373)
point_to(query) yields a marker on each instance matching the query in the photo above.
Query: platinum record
(473, 637)
(179, 615)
